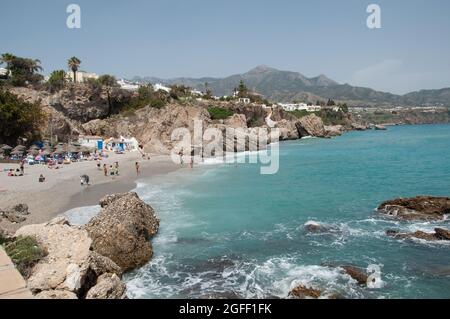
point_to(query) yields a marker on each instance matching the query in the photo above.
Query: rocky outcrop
(303, 292)
(108, 286)
(236, 121)
(417, 208)
(310, 125)
(123, 229)
(334, 130)
(288, 130)
(70, 267)
(439, 234)
(356, 273)
(359, 127)
(16, 213)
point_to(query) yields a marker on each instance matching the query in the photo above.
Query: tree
(22, 70)
(73, 64)
(242, 90)
(18, 118)
(108, 82)
(56, 81)
(331, 102)
(208, 92)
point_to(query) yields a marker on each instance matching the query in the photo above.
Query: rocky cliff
(88, 262)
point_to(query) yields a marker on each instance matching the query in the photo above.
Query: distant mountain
(287, 86)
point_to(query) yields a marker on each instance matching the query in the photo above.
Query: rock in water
(310, 125)
(439, 234)
(122, 230)
(356, 273)
(442, 234)
(303, 292)
(417, 208)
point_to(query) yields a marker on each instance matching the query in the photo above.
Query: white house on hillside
(82, 76)
(299, 107)
(159, 86)
(127, 85)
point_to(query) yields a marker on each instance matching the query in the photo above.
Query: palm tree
(34, 65)
(73, 64)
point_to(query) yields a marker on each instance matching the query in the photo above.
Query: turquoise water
(227, 231)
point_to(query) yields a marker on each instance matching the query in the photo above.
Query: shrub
(56, 81)
(218, 113)
(25, 253)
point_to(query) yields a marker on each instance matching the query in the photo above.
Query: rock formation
(439, 234)
(70, 267)
(122, 230)
(310, 125)
(16, 213)
(303, 292)
(417, 208)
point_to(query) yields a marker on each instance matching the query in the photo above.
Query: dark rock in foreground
(356, 273)
(122, 230)
(417, 208)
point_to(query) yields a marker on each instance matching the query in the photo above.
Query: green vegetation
(146, 97)
(218, 113)
(25, 253)
(23, 71)
(73, 64)
(57, 81)
(18, 118)
(107, 80)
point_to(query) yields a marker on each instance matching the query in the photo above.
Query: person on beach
(116, 166)
(22, 167)
(138, 171)
(99, 167)
(41, 178)
(191, 164)
(105, 169)
(181, 156)
(84, 180)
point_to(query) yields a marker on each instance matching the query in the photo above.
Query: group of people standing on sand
(111, 170)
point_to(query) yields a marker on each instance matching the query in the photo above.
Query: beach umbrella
(6, 147)
(17, 152)
(20, 148)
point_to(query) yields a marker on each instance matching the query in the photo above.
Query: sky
(218, 38)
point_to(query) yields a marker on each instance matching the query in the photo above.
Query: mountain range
(287, 86)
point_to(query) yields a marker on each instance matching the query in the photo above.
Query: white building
(299, 107)
(159, 86)
(127, 85)
(244, 100)
(3, 73)
(82, 76)
(91, 141)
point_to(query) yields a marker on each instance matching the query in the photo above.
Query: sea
(229, 232)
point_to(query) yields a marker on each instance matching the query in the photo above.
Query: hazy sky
(168, 38)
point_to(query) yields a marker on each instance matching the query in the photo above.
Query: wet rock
(303, 292)
(439, 234)
(123, 229)
(315, 227)
(358, 127)
(108, 286)
(334, 130)
(356, 273)
(417, 208)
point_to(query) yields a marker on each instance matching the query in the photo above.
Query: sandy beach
(62, 190)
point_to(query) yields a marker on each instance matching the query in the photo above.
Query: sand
(62, 190)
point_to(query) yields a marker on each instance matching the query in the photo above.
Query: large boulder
(417, 208)
(333, 130)
(356, 273)
(123, 229)
(70, 266)
(288, 130)
(310, 125)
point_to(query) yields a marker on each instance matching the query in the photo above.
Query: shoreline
(62, 191)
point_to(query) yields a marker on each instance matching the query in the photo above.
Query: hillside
(287, 86)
